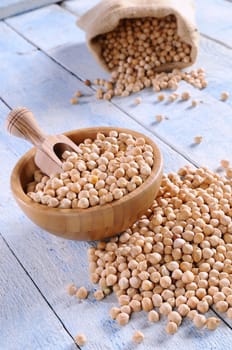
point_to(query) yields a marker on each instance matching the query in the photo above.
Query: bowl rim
(21, 196)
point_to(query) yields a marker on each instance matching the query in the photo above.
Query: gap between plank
(5, 103)
(37, 288)
(216, 40)
(221, 318)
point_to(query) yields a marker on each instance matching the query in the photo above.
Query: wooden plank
(79, 7)
(53, 262)
(42, 17)
(15, 44)
(214, 19)
(14, 7)
(187, 122)
(27, 321)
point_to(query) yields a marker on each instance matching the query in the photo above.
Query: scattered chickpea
(114, 312)
(212, 323)
(122, 318)
(192, 314)
(87, 82)
(171, 327)
(225, 163)
(229, 173)
(183, 309)
(165, 308)
(173, 97)
(82, 293)
(174, 316)
(161, 97)
(78, 93)
(153, 316)
(71, 289)
(224, 96)
(80, 339)
(229, 313)
(199, 321)
(99, 294)
(159, 118)
(185, 96)
(74, 101)
(198, 139)
(194, 103)
(221, 306)
(138, 337)
(138, 100)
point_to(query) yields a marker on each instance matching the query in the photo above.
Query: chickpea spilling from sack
(136, 49)
(176, 261)
(106, 169)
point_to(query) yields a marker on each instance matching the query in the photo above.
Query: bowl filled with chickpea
(102, 189)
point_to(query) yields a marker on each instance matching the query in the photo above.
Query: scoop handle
(21, 122)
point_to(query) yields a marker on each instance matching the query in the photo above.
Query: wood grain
(27, 321)
(79, 7)
(214, 20)
(14, 7)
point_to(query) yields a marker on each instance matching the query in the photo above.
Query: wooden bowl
(96, 222)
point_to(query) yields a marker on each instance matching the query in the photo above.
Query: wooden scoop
(49, 148)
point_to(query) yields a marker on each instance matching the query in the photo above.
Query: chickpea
(183, 309)
(171, 327)
(165, 308)
(147, 304)
(82, 293)
(153, 316)
(212, 323)
(114, 312)
(199, 321)
(224, 95)
(174, 316)
(188, 277)
(165, 281)
(99, 295)
(71, 289)
(229, 313)
(138, 337)
(122, 318)
(80, 339)
(221, 306)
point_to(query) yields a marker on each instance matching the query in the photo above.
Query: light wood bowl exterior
(96, 222)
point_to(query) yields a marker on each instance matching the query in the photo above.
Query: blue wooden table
(43, 61)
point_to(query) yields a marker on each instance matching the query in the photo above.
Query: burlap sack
(105, 16)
